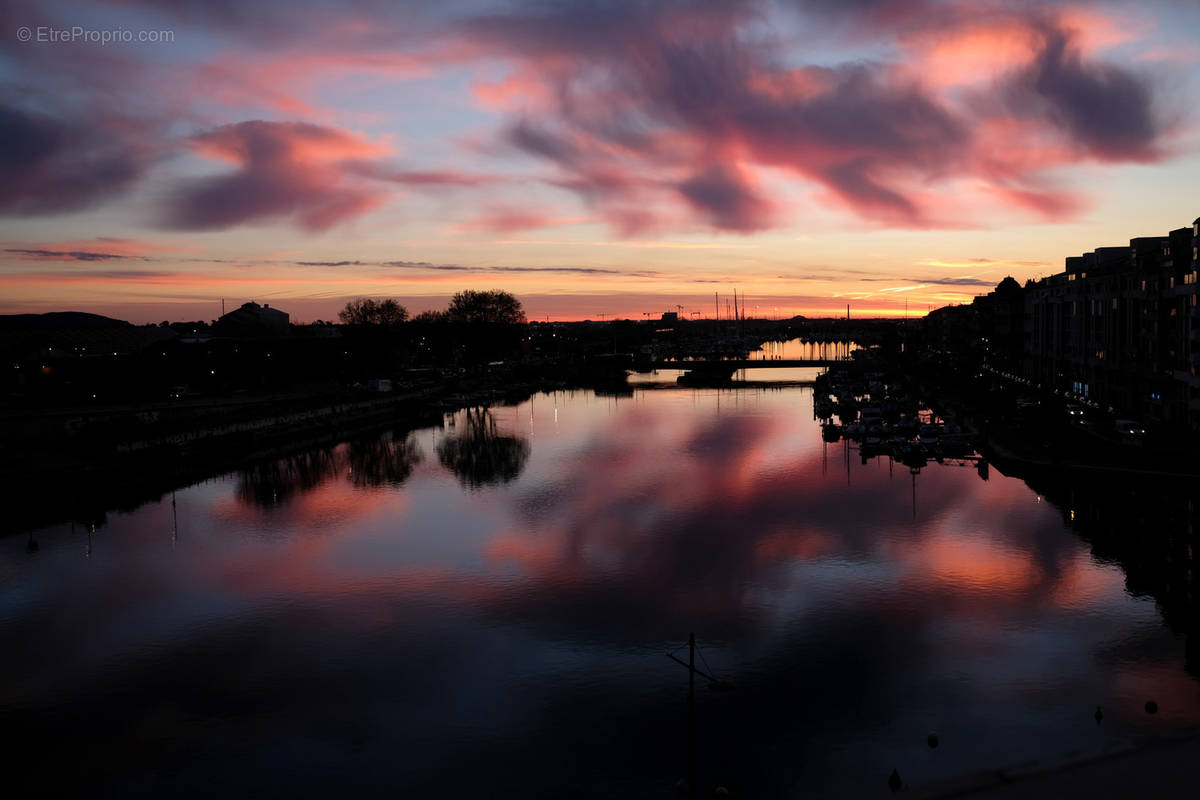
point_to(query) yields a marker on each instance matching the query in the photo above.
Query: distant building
(253, 320)
(992, 326)
(1002, 323)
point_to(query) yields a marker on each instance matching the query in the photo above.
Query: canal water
(484, 610)
(803, 350)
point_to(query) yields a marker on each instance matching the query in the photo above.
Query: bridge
(734, 364)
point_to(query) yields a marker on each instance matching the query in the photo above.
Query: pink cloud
(53, 164)
(1182, 54)
(886, 141)
(280, 81)
(510, 219)
(423, 177)
(102, 248)
(285, 170)
(727, 199)
(1049, 203)
(656, 115)
(519, 90)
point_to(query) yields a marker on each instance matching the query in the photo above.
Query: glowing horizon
(597, 160)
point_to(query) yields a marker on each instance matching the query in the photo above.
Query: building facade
(253, 321)
(1120, 327)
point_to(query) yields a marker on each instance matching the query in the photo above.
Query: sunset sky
(594, 158)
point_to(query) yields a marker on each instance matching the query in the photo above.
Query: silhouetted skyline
(593, 158)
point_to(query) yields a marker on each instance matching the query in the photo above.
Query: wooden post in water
(692, 715)
(714, 683)
(914, 483)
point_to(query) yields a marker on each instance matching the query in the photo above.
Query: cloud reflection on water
(360, 601)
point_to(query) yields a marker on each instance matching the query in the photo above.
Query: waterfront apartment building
(1120, 327)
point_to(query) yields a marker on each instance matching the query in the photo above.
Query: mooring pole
(692, 716)
(914, 482)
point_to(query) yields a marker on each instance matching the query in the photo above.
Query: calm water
(484, 609)
(803, 349)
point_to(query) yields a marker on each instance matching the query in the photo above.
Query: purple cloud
(52, 166)
(1105, 109)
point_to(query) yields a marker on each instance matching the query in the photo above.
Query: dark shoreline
(75, 478)
(75, 486)
(120, 458)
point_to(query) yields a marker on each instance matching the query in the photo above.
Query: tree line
(469, 307)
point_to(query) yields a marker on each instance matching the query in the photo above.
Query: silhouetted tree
(272, 483)
(492, 307)
(429, 317)
(483, 326)
(479, 455)
(383, 460)
(365, 311)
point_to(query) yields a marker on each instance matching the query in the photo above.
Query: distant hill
(59, 320)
